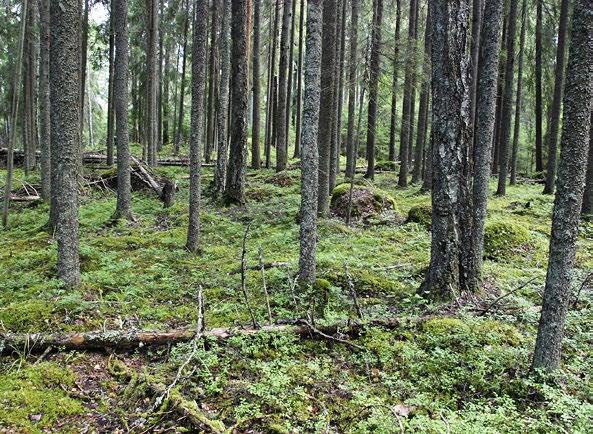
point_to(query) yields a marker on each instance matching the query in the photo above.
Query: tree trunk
(407, 115)
(83, 66)
(309, 153)
(350, 139)
(152, 82)
(477, 9)
(337, 146)
(289, 86)
(180, 113)
(588, 195)
(272, 96)
(65, 77)
(197, 112)
(235, 185)
(375, 66)
(499, 94)
(255, 126)
(14, 113)
(120, 103)
(554, 124)
(212, 84)
(518, 104)
(165, 99)
(539, 159)
(44, 104)
(578, 101)
(450, 120)
(328, 70)
(299, 96)
(488, 74)
(110, 108)
(281, 144)
(393, 126)
(223, 99)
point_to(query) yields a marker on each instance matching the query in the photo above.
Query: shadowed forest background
(333, 216)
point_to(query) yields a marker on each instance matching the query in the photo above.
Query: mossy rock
(386, 165)
(421, 214)
(367, 201)
(503, 238)
(282, 179)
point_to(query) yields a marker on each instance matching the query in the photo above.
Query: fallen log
(265, 266)
(123, 340)
(32, 198)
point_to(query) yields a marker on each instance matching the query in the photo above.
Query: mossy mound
(282, 179)
(386, 165)
(503, 238)
(421, 214)
(366, 201)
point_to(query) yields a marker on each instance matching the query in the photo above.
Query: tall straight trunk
(223, 99)
(14, 110)
(309, 157)
(65, 78)
(44, 104)
(588, 195)
(299, 95)
(499, 98)
(554, 124)
(328, 70)
(236, 173)
(413, 94)
(197, 112)
(539, 153)
(578, 101)
(339, 96)
(393, 123)
(272, 96)
(333, 150)
(450, 136)
(28, 149)
(350, 139)
(375, 67)
(488, 73)
(477, 7)
(165, 99)
(84, 41)
(152, 82)
(518, 104)
(255, 126)
(281, 119)
(110, 108)
(507, 101)
(407, 115)
(33, 83)
(212, 84)
(180, 112)
(119, 17)
(290, 85)
(423, 109)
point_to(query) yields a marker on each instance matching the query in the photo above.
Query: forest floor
(458, 369)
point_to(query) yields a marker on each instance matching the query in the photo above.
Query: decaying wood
(259, 267)
(122, 340)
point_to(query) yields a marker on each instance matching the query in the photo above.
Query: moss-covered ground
(458, 372)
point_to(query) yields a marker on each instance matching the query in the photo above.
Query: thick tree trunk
(407, 115)
(180, 112)
(110, 107)
(328, 70)
(309, 154)
(299, 96)
(152, 82)
(281, 143)
(588, 195)
(120, 103)
(488, 74)
(255, 126)
(374, 71)
(450, 120)
(235, 185)
(223, 100)
(554, 124)
(212, 84)
(84, 41)
(477, 9)
(65, 80)
(518, 104)
(393, 123)
(199, 43)
(44, 103)
(507, 100)
(578, 101)
(350, 139)
(539, 158)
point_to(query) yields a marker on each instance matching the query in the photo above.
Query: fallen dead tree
(123, 340)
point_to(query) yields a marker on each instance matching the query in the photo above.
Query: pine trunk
(281, 124)
(350, 138)
(518, 103)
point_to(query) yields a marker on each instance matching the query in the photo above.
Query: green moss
(421, 214)
(382, 200)
(445, 326)
(30, 315)
(36, 390)
(502, 238)
(386, 165)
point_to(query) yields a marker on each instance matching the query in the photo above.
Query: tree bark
(255, 126)
(281, 125)
(578, 101)
(272, 96)
(554, 124)
(120, 103)
(299, 96)
(350, 139)
(507, 100)
(309, 152)
(588, 195)
(374, 71)
(65, 77)
(235, 185)
(44, 103)
(152, 82)
(518, 104)
(393, 123)
(197, 112)
(539, 159)
(110, 105)
(477, 9)
(290, 85)
(328, 70)
(180, 113)
(84, 41)
(212, 84)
